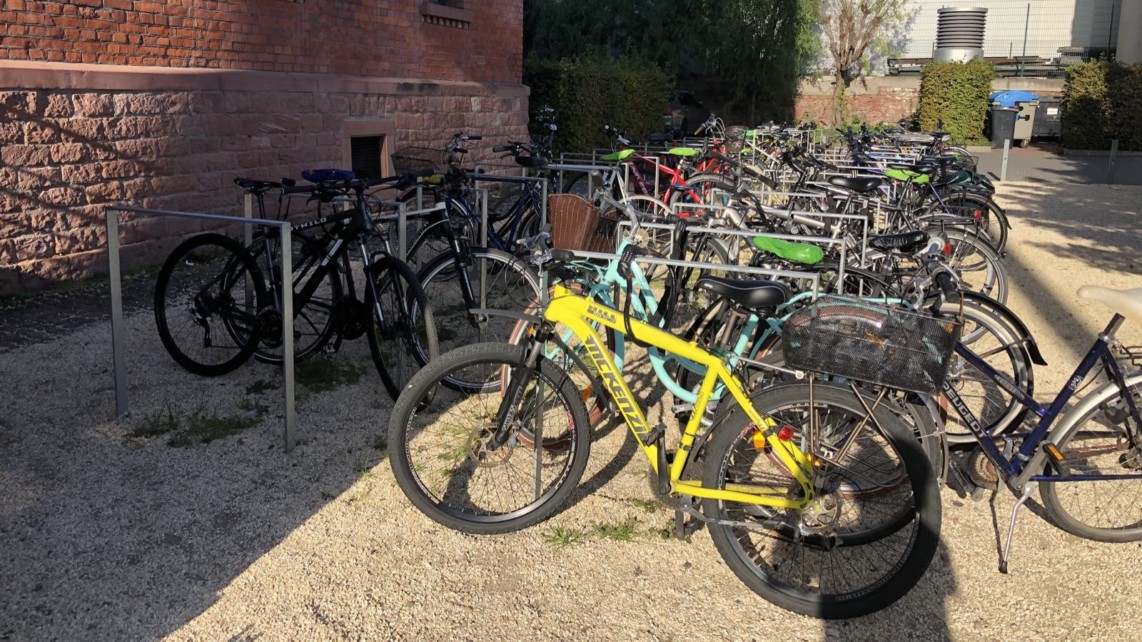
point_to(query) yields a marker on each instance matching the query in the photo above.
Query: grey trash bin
(1002, 124)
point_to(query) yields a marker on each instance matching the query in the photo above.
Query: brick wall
(392, 38)
(887, 99)
(161, 104)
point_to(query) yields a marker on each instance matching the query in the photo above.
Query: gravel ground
(109, 535)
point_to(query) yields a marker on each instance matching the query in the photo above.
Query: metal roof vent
(959, 34)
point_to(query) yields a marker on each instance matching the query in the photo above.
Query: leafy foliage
(590, 93)
(852, 28)
(956, 93)
(1102, 100)
(749, 53)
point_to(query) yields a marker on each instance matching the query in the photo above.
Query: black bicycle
(218, 303)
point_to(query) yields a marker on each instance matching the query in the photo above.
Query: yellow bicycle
(824, 505)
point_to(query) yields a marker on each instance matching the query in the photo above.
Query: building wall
(1130, 32)
(1052, 24)
(172, 127)
(394, 38)
(887, 99)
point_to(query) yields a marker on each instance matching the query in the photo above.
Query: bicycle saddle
(683, 152)
(1128, 303)
(907, 242)
(255, 186)
(803, 253)
(617, 156)
(748, 294)
(859, 185)
(904, 175)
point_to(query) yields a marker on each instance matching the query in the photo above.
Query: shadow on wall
(65, 157)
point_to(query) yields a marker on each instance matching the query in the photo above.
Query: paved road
(1045, 164)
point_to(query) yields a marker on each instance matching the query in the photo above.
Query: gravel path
(108, 535)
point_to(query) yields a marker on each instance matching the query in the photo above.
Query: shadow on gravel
(109, 532)
(920, 615)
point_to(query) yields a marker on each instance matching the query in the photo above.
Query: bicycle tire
(992, 219)
(461, 504)
(511, 286)
(597, 406)
(318, 320)
(999, 344)
(1080, 443)
(919, 495)
(979, 267)
(218, 266)
(403, 343)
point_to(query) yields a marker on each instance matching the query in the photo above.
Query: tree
(851, 27)
(747, 54)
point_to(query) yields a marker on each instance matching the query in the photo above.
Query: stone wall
(74, 139)
(887, 99)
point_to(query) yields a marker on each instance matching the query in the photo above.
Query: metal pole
(402, 232)
(287, 337)
(1110, 167)
(117, 331)
(1006, 153)
(1026, 24)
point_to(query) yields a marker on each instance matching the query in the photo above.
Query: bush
(588, 94)
(1102, 99)
(956, 93)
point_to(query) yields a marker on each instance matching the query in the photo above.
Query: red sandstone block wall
(65, 155)
(389, 38)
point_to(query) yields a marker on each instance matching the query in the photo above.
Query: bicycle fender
(1006, 313)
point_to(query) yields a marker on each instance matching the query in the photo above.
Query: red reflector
(785, 434)
(947, 249)
(979, 214)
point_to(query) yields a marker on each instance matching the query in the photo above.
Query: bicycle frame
(1021, 468)
(577, 313)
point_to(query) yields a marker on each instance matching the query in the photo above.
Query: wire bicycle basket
(578, 225)
(871, 342)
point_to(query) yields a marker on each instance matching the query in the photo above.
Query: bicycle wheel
(442, 450)
(596, 400)
(992, 404)
(1103, 440)
(508, 284)
(399, 342)
(985, 213)
(207, 298)
(314, 323)
(980, 269)
(865, 540)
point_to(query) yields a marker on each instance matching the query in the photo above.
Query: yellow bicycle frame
(575, 312)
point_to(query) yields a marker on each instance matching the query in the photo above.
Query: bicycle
(462, 280)
(806, 499)
(211, 288)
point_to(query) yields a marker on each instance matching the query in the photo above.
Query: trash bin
(1002, 124)
(1048, 119)
(1024, 122)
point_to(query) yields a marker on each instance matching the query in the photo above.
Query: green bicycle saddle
(903, 175)
(802, 253)
(617, 156)
(684, 152)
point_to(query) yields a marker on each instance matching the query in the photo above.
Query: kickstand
(1011, 529)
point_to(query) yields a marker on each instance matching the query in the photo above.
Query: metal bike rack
(118, 340)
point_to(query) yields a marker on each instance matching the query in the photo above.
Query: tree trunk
(840, 108)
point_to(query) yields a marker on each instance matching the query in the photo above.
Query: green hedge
(588, 94)
(956, 93)
(1102, 100)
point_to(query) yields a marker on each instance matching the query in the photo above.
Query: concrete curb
(1096, 152)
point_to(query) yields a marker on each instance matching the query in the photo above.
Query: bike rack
(117, 327)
